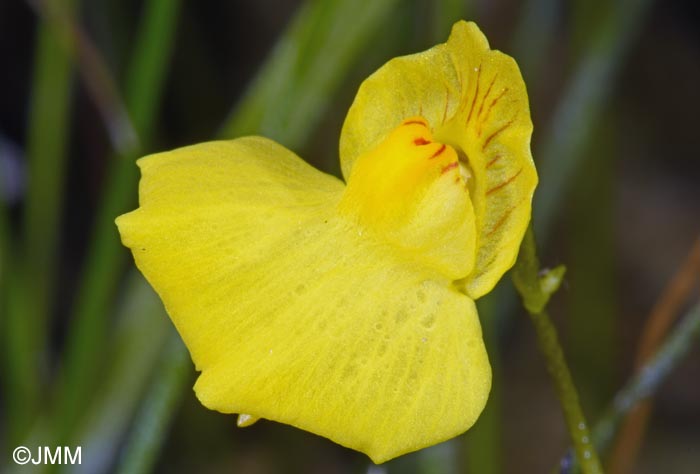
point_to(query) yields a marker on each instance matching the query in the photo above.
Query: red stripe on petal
(449, 167)
(439, 152)
(504, 183)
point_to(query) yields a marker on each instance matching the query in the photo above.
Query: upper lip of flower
(474, 100)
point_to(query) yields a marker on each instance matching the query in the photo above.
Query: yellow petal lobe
(297, 312)
(474, 100)
(210, 210)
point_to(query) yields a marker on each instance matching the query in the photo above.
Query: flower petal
(209, 210)
(292, 314)
(475, 100)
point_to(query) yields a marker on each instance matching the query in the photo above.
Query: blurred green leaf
(533, 37)
(155, 414)
(446, 13)
(31, 290)
(299, 79)
(593, 281)
(139, 337)
(581, 105)
(105, 259)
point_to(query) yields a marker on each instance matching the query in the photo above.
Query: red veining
(488, 91)
(493, 161)
(449, 167)
(476, 94)
(421, 141)
(447, 103)
(414, 122)
(494, 101)
(492, 104)
(439, 152)
(504, 183)
(501, 220)
(494, 134)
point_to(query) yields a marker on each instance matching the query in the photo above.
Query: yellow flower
(348, 310)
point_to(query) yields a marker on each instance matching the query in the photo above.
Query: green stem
(577, 112)
(645, 382)
(566, 392)
(582, 102)
(31, 285)
(536, 287)
(105, 258)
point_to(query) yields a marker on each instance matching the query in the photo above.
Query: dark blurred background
(624, 224)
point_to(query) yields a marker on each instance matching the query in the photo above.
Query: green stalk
(31, 285)
(536, 287)
(105, 258)
(566, 392)
(583, 100)
(579, 109)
